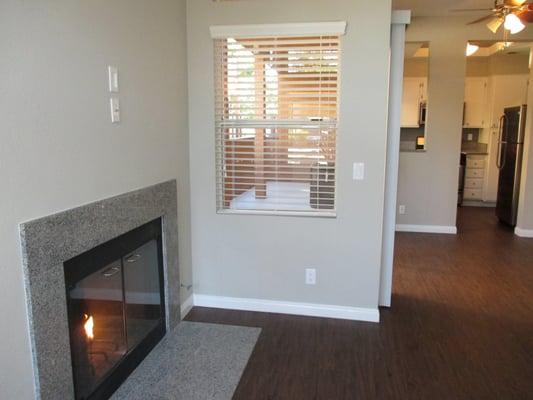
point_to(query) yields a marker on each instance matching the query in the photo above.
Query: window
(276, 117)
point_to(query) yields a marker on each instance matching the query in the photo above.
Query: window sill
(314, 214)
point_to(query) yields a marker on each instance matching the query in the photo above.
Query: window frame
(279, 30)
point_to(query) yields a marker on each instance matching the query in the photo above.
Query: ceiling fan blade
(486, 17)
(471, 9)
(526, 16)
(514, 3)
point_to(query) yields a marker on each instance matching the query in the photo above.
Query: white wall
(525, 207)
(264, 256)
(428, 181)
(58, 148)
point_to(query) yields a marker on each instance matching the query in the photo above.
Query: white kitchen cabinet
(475, 170)
(414, 93)
(475, 112)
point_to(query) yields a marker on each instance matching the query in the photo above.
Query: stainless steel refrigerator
(509, 162)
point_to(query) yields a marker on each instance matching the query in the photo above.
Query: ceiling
(429, 8)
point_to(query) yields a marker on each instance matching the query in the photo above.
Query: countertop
(474, 148)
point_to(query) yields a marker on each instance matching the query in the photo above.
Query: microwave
(422, 113)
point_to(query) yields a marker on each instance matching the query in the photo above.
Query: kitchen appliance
(462, 167)
(422, 113)
(509, 162)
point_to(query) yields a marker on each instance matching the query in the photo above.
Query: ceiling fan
(513, 14)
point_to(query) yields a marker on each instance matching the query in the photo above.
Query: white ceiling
(426, 8)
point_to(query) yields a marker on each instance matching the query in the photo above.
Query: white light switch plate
(310, 276)
(115, 109)
(358, 171)
(113, 78)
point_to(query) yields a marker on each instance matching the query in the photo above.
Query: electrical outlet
(310, 276)
(470, 137)
(401, 209)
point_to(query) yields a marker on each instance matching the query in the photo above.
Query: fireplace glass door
(98, 337)
(115, 310)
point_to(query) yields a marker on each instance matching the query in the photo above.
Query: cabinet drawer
(472, 194)
(475, 163)
(475, 173)
(473, 183)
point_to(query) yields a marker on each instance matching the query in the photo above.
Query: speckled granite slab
(48, 242)
(196, 361)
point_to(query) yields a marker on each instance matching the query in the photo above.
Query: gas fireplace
(116, 310)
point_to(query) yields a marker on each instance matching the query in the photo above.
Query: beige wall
(264, 257)
(428, 181)
(509, 64)
(58, 148)
(477, 66)
(416, 67)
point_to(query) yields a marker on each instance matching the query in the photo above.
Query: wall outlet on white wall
(310, 276)
(401, 209)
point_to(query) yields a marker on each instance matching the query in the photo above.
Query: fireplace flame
(89, 326)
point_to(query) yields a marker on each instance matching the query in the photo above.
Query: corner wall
(525, 208)
(58, 148)
(263, 257)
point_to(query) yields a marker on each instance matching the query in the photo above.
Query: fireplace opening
(116, 309)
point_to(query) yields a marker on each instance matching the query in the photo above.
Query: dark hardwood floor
(460, 327)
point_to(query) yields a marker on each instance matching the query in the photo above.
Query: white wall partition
(259, 259)
(400, 19)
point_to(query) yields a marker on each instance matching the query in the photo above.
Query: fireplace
(115, 308)
(83, 263)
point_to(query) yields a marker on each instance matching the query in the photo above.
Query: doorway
(496, 87)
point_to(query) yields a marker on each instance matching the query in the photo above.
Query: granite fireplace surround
(48, 242)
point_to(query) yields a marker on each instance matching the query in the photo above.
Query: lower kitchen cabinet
(474, 177)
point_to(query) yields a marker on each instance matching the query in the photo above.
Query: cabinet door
(475, 102)
(411, 102)
(424, 89)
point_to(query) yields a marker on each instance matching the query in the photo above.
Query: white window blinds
(276, 122)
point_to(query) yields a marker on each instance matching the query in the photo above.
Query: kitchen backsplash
(470, 135)
(408, 138)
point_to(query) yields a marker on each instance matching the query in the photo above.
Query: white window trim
(334, 28)
(291, 29)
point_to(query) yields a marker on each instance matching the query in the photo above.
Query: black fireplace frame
(91, 261)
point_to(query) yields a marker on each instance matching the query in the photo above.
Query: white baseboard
(426, 228)
(187, 305)
(526, 233)
(286, 307)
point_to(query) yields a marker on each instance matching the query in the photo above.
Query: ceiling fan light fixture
(513, 24)
(495, 24)
(471, 49)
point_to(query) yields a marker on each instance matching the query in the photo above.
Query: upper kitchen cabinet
(475, 111)
(413, 102)
(415, 82)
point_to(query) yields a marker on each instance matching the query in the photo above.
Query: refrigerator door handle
(501, 124)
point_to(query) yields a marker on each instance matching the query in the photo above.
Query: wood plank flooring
(460, 327)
